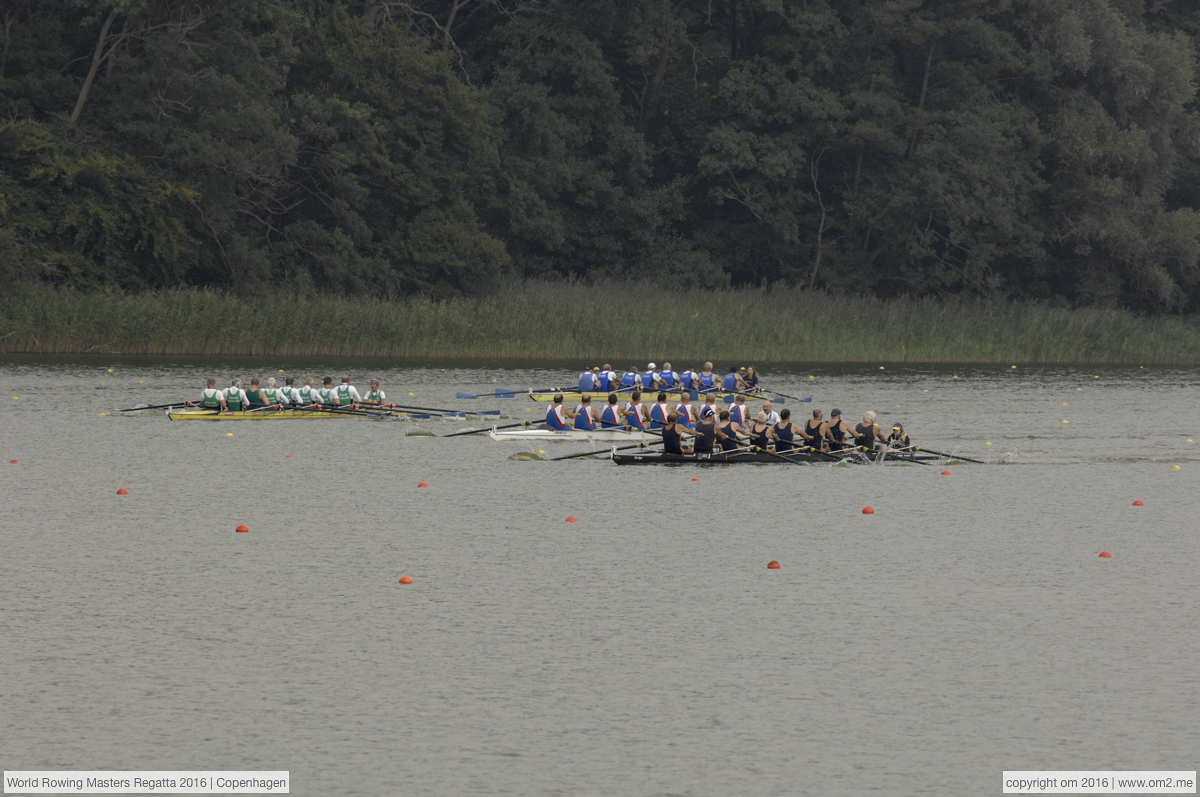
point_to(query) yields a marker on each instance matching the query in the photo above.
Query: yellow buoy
(1014, 366)
(1066, 421)
(955, 377)
(812, 377)
(987, 444)
(412, 394)
(1174, 467)
(141, 381)
(229, 434)
(924, 391)
(540, 451)
(101, 413)
(1064, 403)
(1189, 440)
(1079, 388)
(110, 370)
(15, 398)
(881, 368)
(1095, 377)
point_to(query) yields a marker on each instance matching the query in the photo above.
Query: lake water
(966, 628)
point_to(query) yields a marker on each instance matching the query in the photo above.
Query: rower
(235, 397)
(667, 377)
(869, 433)
(659, 412)
(687, 380)
(773, 417)
(290, 391)
(898, 439)
(612, 417)
(274, 396)
(687, 413)
(325, 393)
(650, 380)
(751, 380)
(728, 431)
(706, 380)
(557, 414)
(706, 436)
(815, 431)
(589, 381)
(786, 432)
(738, 411)
(255, 394)
(585, 416)
(837, 429)
(635, 413)
(733, 382)
(374, 395)
(212, 398)
(674, 433)
(710, 407)
(608, 379)
(346, 394)
(760, 432)
(308, 394)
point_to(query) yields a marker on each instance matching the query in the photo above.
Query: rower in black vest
(838, 429)
(868, 432)
(760, 431)
(706, 430)
(813, 431)
(673, 435)
(785, 432)
(728, 431)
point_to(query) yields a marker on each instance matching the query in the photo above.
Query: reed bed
(590, 323)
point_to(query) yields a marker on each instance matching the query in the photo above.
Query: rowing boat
(599, 435)
(280, 415)
(748, 457)
(672, 395)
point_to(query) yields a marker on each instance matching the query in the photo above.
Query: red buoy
(772, 565)
(945, 473)
(405, 579)
(1138, 503)
(12, 462)
(1105, 555)
(242, 529)
(422, 484)
(287, 456)
(694, 478)
(122, 491)
(570, 518)
(868, 510)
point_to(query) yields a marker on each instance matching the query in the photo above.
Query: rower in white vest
(290, 392)
(346, 393)
(585, 416)
(236, 398)
(274, 395)
(589, 381)
(557, 414)
(308, 394)
(212, 398)
(374, 395)
(325, 394)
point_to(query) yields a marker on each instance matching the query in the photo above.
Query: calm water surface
(966, 628)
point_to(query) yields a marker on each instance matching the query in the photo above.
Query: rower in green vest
(274, 395)
(212, 398)
(375, 396)
(235, 397)
(308, 393)
(346, 393)
(255, 394)
(326, 393)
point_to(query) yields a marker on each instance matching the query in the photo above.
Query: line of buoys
(570, 518)
(1138, 503)
(422, 484)
(1105, 555)
(772, 565)
(868, 510)
(243, 529)
(122, 491)
(405, 579)
(945, 473)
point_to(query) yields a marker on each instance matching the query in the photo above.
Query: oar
(498, 394)
(785, 395)
(410, 407)
(759, 450)
(491, 428)
(593, 453)
(948, 456)
(156, 406)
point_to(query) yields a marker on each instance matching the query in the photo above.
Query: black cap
(834, 413)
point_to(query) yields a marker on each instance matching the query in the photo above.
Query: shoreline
(568, 323)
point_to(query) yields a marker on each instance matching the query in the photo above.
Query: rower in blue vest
(557, 414)
(612, 416)
(607, 379)
(635, 413)
(650, 380)
(585, 417)
(706, 380)
(738, 411)
(588, 381)
(709, 410)
(630, 379)
(687, 413)
(667, 377)
(733, 381)
(659, 412)
(687, 380)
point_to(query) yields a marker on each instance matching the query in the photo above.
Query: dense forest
(1025, 149)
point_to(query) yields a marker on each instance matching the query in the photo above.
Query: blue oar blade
(465, 395)
(694, 395)
(422, 417)
(488, 412)
(809, 399)
(505, 393)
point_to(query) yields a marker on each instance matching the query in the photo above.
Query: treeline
(1025, 149)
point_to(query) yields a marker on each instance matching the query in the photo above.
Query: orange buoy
(945, 473)
(772, 565)
(287, 456)
(242, 529)
(12, 462)
(694, 478)
(1138, 503)
(405, 579)
(1105, 555)
(422, 484)
(122, 491)
(570, 518)
(868, 510)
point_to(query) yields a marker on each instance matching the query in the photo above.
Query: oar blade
(466, 396)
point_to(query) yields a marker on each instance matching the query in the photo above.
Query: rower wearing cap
(374, 395)
(589, 380)
(557, 414)
(346, 392)
(709, 410)
(585, 416)
(687, 413)
(659, 412)
(837, 429)
(898, 439)
(650, 379)
(612, 416)
(706, 380)
(212, 398)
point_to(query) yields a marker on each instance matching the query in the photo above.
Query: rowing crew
(234, 398)
(730, 427)
(604, 380)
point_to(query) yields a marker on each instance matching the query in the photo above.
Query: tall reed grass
(557, 321)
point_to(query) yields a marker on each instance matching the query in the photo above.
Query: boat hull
(598, 435)
(279, 415)
(750, 457)
(647, 395)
